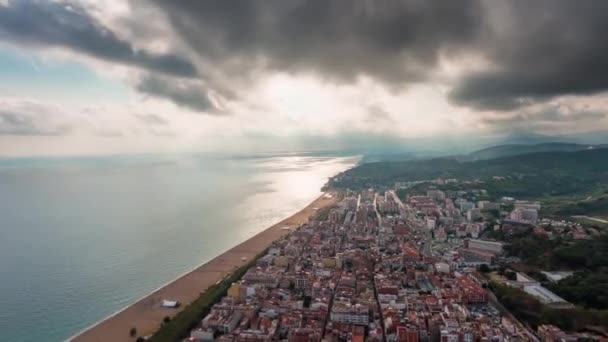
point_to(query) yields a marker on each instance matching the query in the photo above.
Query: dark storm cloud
(540, 50)
(181, 92)
(393, 41)
(537, 50)
(50, 23)
(28, 119)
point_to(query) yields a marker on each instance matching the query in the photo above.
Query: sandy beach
(147, 314)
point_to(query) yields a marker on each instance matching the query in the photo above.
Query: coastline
(146, 313)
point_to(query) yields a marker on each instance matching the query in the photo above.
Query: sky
(97, 77)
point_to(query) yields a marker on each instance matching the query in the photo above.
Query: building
(472, 293)
(547, 297)
(485, 245)
(473, 214)
(466, 206)
(554, 277)
(477, 256)
(487, 205)
(526, 205)
(524, 215)
(437, 195)
(304, 335)
(407, 334)
(551, 333)
(334, 215)
(350, 314)
(235, 290)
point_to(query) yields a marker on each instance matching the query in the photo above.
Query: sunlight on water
(82, 238)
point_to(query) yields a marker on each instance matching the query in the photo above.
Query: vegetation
(530, 310)
(599, 226)
(532, 249)
(483, 268)
(591, 207)
(323, 213)
(588, 288)
(557, 253)
(526, 176)
(179, 327)
(517, 149)
(591, 254)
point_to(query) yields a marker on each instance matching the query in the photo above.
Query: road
(376, 210)
(494, 301)
(591, 218)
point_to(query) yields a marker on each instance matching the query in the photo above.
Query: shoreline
(146, 315)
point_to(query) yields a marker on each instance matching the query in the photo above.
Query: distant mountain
(517, 149)
(530, 138)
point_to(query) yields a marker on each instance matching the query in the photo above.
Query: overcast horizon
(83, 77)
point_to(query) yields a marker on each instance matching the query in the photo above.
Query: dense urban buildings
(376, 268)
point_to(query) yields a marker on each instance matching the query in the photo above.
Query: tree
(483, 268)
(133, 332)
(166, 319)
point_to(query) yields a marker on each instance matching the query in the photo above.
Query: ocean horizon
(83, 237)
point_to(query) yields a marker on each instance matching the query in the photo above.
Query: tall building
(524, 215)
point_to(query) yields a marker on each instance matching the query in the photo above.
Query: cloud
(58, 24)
(530, 53)
(28, 118)
(538, 51)
(543, 117)
(377, 115)
(152, 119)
(185, 93)
(397, 42)
(109, 134)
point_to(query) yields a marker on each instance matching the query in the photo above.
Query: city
(376, 268)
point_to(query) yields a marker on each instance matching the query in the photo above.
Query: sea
(83, 237)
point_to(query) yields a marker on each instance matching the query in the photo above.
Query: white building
(527, 205)
(350, 314)
(524, 215)
(554, 277)
(484, 245)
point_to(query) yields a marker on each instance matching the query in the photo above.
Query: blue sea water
(81, 238)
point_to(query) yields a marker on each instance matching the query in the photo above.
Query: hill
(591, 207)
(525, 176)
(517, 149)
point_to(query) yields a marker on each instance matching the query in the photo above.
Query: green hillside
(591, 207)
(518, 149)
(528, 175)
